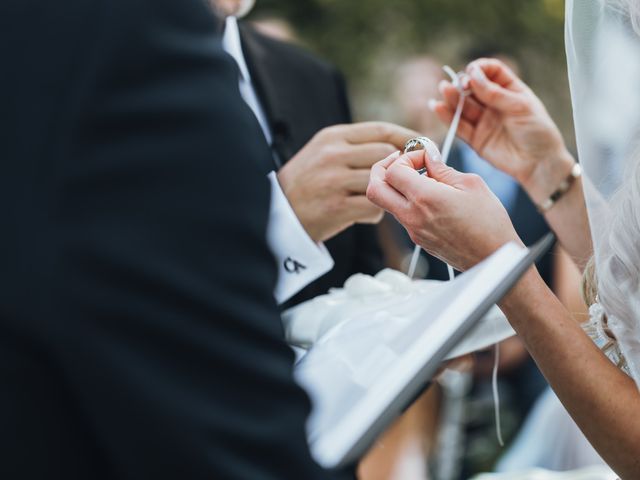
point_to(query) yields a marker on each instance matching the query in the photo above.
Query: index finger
(380, 192)
(498, 72)
(404, 177)
(417, 159)
(379, 132)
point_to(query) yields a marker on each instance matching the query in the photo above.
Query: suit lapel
(273, 92)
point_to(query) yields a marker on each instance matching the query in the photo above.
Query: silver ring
(417, 143)
(423, 143)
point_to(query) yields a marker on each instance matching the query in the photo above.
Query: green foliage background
(367, 39)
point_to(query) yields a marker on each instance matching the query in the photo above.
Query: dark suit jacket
(302, 95)
(139, 338)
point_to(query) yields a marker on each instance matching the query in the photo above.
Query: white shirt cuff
(300, 259)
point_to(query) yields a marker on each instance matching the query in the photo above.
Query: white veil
(603, 55)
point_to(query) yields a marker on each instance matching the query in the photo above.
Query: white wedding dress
(591, 473)
(550, 445)
(551, 440)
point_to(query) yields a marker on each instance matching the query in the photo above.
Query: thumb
(492, 94)
(442, 173)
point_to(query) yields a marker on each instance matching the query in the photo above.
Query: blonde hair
(590, 283)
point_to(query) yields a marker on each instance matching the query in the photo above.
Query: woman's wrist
(548, 175)
(529, 292)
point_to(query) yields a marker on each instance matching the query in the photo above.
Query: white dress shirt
(300, 259)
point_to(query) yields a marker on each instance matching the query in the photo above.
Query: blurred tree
(367, 38)
(350, 31)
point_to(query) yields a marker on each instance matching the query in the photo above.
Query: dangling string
(456, 80)
(414, 261)
(496, 395)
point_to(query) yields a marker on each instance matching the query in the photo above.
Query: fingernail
(478, 75)
(464, 81)
(432, 104)
(433, 151)
(441, 86)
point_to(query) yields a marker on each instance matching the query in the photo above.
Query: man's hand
(326, 181)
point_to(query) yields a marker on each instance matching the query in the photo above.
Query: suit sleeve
(169, 337)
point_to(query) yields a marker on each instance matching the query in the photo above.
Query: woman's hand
(506, 124)
(452, 215)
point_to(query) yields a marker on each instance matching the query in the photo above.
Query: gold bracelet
(575, 173)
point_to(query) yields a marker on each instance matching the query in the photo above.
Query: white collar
(233, 46)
